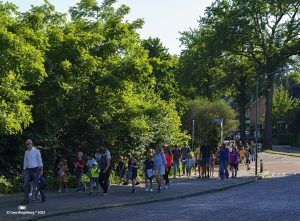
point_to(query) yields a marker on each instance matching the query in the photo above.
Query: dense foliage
(202, 111)
(73, 85)
(72, 82)
(260, 37)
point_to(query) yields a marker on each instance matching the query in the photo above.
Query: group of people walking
(232, 155)
(158, 165)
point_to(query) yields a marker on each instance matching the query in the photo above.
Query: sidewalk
(72, 202)
(285, 148)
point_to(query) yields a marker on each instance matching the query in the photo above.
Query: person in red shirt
(78, 170)
(169, 158)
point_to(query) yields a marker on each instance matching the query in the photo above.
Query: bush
(5, 185)
(15, 185)
(203, 111)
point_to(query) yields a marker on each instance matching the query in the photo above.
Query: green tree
(22, 66)
(284, 106)
(164, 67)
(203, 111)
(238, 82)
(289, 80)
(285, 110)
(197, 73)
(22, 62)
(100, 88)
(207, 70)
(267, 32)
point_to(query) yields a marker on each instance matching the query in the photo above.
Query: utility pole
(193, 135)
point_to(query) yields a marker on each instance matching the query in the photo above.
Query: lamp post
(256, 107)
(193, 135)
(222, 131)
(256, 125)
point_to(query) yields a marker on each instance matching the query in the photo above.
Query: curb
(181, 196)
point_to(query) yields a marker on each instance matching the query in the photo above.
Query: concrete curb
(180, 196)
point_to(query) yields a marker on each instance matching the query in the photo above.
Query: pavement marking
(281, 174)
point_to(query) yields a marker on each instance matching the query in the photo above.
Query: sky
(163, 18)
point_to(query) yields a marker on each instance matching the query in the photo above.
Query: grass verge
(283, 153)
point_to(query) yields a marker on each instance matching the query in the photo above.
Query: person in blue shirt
(224, 159)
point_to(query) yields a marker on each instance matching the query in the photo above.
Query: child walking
(63, 175)
(190, 164)
(242, 155)
(89, 164)
(78, 169)
(120, 169)
(132, 166)
(149, 165)
(95, 178)
(234, 161)
(169, 159)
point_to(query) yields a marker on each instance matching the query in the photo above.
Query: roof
(229, 101)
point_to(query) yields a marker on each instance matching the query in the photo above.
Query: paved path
(268, 200)
(279, 165)
(120, 195)
(58, 203)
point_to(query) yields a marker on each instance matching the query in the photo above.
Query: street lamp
(193, 134)
(256, 107)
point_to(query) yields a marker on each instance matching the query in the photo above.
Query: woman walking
(63, 175)
(160, 163)
(169, 159)
(234, 161)
(104, 166)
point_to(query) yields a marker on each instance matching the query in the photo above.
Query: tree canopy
(74, 85)
(265, 34)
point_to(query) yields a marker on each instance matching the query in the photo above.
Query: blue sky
(163, 18)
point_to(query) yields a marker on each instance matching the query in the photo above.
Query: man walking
(223, 159)
(33, 169)
(176, 160)
(252, 148)
(184, 157)
(199, 159)
(205, 151)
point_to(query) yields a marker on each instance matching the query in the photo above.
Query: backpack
(42, 183)
(102, 162)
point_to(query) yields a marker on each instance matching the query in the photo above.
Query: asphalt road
(271, 199)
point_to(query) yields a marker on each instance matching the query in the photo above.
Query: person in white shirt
(33, 168)
(98, 154)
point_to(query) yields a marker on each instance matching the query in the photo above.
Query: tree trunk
(242, 121)
(242, 109)
(268, 114)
